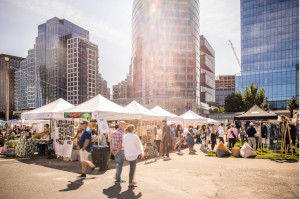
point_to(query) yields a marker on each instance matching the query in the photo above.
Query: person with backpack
(232, 134)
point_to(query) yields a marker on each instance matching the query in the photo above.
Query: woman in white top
(132, 149)
(221, 133)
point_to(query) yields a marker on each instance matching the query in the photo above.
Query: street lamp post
(6, 59)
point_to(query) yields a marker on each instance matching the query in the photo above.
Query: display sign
(102, 125)
(78, 115)
(64, 136)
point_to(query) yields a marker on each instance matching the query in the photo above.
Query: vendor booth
(170, 117)
(212, 121)
(146, 126)
(100, 106)
(98, 110)
(192, 118)
(266, 134)
(49, 111)
(36, 134)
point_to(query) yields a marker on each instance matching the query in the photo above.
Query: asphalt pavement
(180, 176)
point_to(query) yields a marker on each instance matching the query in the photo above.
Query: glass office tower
(166, 54)
(51, 56)
(270, 49)
(28, 94)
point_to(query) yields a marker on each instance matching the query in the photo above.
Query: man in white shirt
(132, 149)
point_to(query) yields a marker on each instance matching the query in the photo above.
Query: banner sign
(102, 125)
(78, 115)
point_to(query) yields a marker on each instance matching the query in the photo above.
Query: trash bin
(100, 157)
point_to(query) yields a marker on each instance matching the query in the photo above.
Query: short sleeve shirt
(87, 134)
(117, 138)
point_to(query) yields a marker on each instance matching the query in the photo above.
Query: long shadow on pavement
(284, 161)
(75, 184)
(114, 192)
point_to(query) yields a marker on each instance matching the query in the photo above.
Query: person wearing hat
(85, 145)
(251, 136)
(166, 139)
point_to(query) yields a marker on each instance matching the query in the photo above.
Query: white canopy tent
(170, 117)
(191, 116)
(99, 106)
(212, 121)
(143, 112)
(49, 111)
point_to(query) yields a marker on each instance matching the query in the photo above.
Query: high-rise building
(207, 72)
(225, 85)
(102, 86)
(8, 66)
(28, 94)
(82, 70)
(166, 54)
(123, 90)
(51, 56)
(270, 49)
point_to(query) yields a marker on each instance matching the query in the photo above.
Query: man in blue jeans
(117, 149)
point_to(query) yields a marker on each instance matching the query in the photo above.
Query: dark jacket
(166, 132)
(251, 131)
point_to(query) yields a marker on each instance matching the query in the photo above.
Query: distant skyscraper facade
(8, 66)
(82, 70)
(225, 85)
(123, 90)
(28, 93)
(102, 87)
(207, 71)
(51, 56)
(270, 49)
(166, 54)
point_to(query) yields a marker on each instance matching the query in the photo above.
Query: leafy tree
(292, 105)
(252, 96)
(234, 102)
(221, 110)
(217, 110)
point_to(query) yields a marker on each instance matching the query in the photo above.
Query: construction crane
(237, 59)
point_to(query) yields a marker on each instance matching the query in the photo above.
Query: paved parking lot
(181, 176)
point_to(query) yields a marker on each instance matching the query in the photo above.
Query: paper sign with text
(102, 125)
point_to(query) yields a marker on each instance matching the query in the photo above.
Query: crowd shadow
(180, 153)
(115, 192)
(150, 161)
(284, 161)
(69, 166)
(167, 159)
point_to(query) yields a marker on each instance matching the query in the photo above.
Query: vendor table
(26, 147)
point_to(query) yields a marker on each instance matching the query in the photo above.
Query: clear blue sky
(109, 24)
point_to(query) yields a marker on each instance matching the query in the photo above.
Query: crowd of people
(124, 144)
